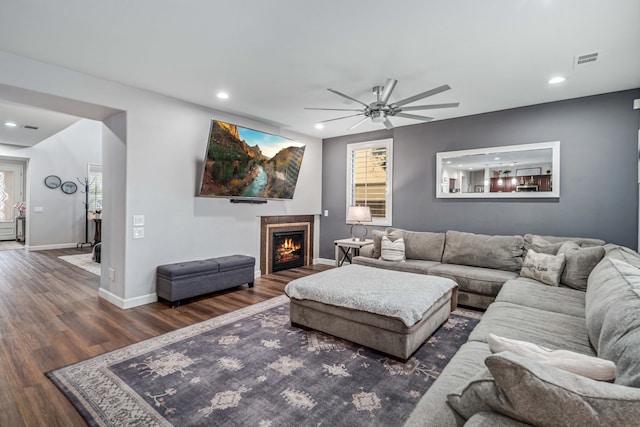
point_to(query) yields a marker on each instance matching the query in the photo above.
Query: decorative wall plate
(52, 181)
(69, 187)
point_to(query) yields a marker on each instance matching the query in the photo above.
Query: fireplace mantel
(280, 223)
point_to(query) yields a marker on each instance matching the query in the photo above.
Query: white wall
(66, 155)
(165, 145)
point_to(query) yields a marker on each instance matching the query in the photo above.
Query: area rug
(83, 261)
(251, 367)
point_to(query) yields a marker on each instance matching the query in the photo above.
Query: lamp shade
(359, 214)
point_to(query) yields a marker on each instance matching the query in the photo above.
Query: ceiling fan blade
(346, 96)
(388, 88)
(387, 123)
(431, 107)
(413, 116)
(333, 109)
(359, 123)
(421, 95)
(340, 118)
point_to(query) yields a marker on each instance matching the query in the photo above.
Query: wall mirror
(514, 171)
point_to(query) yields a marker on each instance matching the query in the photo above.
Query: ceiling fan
(380, 111)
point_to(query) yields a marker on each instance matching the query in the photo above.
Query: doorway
(11, 193)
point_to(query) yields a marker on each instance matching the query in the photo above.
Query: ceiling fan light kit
(380, 110)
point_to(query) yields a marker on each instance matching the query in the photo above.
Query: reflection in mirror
(515, 171)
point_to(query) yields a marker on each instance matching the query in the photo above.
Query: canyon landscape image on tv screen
(243, 162)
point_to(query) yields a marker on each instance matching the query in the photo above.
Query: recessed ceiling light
(223, 95)
(448, 162)
(496, 158)
(319, 126)
(556, 80)
(10, 124)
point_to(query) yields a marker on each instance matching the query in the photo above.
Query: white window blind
(369, 178)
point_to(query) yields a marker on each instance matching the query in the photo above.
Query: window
(369, 173)
(95, 187)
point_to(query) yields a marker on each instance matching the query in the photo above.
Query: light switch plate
(138, 220)
(138, 233)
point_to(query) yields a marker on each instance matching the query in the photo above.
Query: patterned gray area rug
(251, 367)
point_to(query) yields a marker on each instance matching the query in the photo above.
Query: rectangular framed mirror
(513, 171)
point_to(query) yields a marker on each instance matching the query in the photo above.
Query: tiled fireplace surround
(271, 224)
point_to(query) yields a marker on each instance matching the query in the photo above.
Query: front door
(11, 192)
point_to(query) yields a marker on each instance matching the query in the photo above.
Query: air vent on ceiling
(588, 58)
(30, 127)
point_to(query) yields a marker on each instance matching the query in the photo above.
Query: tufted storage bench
(179, 281)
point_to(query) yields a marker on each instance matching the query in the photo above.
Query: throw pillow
(377, 242)
(543, 246)
(547, 396)
(580, 364)
(579, 263)
(392, 250)
(468, 400)
(542, 267)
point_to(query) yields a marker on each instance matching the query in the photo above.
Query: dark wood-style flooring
(51, 316)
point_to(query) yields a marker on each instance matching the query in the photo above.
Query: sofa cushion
(613, 317)
(584, 242)
(543, 395)
(531, 293)
(543, 267)
(492, 419)
(579, 263)
(543, 246)
(480, 250)
(545, 328)
(580, 364)
(392, 250)
(432, 408)
(409, 266)
(485, 281)
(622, 253)
(422, 244)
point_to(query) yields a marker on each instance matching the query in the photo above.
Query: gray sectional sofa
(598, 316)
(480, 264)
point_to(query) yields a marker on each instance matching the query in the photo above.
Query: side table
(346, 249)
(20, 236)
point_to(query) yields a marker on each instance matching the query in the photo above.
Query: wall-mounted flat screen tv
(247, 163)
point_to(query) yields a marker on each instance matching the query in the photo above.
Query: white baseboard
(128, 303)
(324, 261)
(257, 273)
(47, 247)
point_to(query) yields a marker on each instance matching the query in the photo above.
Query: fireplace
(280, 237)
(287, 250)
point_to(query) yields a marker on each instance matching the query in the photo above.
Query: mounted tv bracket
(250, 201)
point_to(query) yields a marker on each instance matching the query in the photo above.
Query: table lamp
(358, 215)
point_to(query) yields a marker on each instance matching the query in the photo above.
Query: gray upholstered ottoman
(390, 311)
(176, 282)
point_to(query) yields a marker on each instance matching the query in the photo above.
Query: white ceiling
(276, 57)
(48, 123)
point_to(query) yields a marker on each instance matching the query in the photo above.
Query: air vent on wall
(588, 58)
(30, 127)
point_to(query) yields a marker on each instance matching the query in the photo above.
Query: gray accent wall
(599, 172)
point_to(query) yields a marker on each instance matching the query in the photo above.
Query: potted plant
(21, 207)
(548, 171)
(506, 172)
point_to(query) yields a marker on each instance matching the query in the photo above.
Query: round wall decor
(52, 181)
(69, 187)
